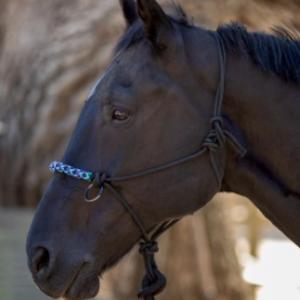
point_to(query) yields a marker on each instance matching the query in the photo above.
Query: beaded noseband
(62, 168)
(154, 281)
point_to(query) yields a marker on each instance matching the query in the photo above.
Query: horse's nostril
(40, 261)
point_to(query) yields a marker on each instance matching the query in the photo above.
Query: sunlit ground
(276, 272)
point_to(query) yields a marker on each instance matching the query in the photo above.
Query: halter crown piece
(154, 281)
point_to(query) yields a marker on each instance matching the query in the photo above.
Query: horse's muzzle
(57, 279)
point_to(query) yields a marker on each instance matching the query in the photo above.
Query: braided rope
(62, 168)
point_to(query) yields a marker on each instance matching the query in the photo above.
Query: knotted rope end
(154, 281)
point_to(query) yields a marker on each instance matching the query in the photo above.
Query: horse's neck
(267, 112)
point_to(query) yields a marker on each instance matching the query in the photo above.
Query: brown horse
(155, 105)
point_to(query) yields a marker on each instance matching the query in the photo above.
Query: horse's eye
(120, 115)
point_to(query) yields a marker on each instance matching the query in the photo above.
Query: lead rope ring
(97, 183)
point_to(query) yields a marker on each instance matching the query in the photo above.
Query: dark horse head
(152, 105)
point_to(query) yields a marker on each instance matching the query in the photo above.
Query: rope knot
(216, 137)
(217, 120)
(214, 140)
(148, 247)
(100, 179)
(154, 281)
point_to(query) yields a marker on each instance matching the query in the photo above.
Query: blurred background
(51, 53)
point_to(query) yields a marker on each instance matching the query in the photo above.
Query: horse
(181, 113)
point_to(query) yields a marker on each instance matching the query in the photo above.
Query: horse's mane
(278, 53)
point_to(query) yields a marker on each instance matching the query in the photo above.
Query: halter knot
(148, 247)
(154, 281)
(217, 120)
(215, 139)
(100, 179)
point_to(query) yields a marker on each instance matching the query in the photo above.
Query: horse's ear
(157, 24)
(129, 11)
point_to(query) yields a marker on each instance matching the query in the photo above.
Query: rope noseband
(154, 281)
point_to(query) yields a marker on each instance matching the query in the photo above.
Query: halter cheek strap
(154, 281)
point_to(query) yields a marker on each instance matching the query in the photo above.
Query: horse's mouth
(83, 284)
(83, 287)
(86, 285)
